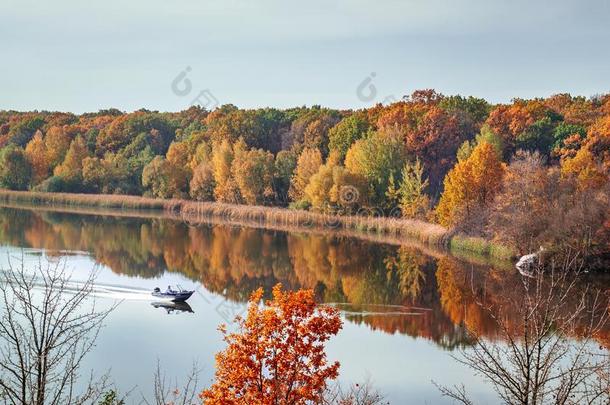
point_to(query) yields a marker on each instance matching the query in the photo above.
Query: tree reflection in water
(396, 289)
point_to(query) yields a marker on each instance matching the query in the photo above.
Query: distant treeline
(528, 173)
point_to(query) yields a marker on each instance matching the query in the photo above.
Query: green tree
(414, 202)
(285, 164)
(21, 133)
(477, 108)
(486, 135)
(377, 158)
(15, 170)
(110, 175)
(565, 130)
(538, 137)
(346, 132)
(160, 178)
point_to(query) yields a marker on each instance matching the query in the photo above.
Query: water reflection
(174, 307)
(394, 289)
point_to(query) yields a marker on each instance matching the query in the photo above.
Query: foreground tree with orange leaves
(277, 356)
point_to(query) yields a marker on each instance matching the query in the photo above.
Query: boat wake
(121, 293)
(109, 291)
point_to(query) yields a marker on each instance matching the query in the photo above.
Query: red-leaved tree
(277, 355)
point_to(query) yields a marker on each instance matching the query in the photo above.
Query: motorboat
(177, 295)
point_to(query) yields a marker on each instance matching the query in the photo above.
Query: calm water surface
(404, 311)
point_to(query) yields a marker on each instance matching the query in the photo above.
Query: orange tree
(470, 186)
(277, 355)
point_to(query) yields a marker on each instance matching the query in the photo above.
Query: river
(405, 310)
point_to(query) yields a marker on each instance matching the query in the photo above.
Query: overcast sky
(75, 55)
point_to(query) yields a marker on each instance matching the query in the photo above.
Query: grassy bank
(479, 246)
(89, 200)
(202, 212)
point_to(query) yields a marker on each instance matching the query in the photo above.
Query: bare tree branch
(48, 324)
(546, 354)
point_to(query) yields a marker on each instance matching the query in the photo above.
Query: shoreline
(394, 230)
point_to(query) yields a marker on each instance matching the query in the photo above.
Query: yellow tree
(333, 189)
(414, 202)
(584, 168)
(202, 154)
(253, 173)
(308, 164)
(36, 153)
(72, 165)
(470, 186)
(226, 189)
(57, 142)
(178, 158)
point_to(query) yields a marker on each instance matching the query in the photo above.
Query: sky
(74, 55)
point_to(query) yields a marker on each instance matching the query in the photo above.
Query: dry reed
(201, 212)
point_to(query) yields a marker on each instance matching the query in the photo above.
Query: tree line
(528, 173)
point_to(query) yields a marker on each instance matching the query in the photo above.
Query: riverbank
(428, 234)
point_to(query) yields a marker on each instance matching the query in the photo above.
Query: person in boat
(169, 289)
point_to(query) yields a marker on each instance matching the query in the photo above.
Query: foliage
(470, 186)
(414, 202)
(57, 141)
(377, 158)
(277, 355)
(253, 173)
(109, 175)
(23, 131)
(564, 131)
(285, 164)
(226, 189)
(539, 207)
(72, 166)
(202, 184)
(346, 132)
(310, 130)
(15, 170)
(333, 189)
(111, 397)
(486, 135)
(477, 108)
(538, 137)
(269, 156)
(36, 153)
(308, 164)
(160, 178)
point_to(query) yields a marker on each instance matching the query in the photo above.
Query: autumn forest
(525, 174)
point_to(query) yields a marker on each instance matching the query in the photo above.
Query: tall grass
(430, 234)
(89, 200)
(481, 247)
(202, 212)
